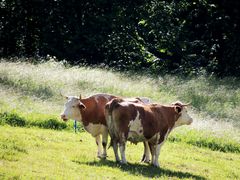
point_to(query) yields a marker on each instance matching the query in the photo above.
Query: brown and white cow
(90, 112)
(143, 122)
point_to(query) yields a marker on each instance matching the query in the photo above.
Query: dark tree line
(159, 36)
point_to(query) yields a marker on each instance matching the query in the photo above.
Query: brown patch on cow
(94, 111)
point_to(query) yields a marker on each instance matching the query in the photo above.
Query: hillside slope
(30, 98)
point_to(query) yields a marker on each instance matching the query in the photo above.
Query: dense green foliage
(13, 119)
(170, 36)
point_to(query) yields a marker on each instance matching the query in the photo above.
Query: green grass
(30, 99)
(206, 139)
(36, 153)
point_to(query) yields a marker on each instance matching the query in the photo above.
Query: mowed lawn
(32, 153)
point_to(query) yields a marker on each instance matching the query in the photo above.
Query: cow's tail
(111, 143)
(114, 103)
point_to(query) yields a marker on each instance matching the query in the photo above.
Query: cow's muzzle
(63, 117)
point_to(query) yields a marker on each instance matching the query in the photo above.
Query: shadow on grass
(142, 169)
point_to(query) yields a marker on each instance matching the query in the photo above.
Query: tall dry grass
(36, 88)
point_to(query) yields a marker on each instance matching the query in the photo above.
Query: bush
(12, 119)
(50, 124)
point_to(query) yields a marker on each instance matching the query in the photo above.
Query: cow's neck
(172, 117)
(90, 113)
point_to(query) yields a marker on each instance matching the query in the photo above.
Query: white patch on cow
(124, 103)
(145, 100)
(157, 153)
(184, 119)
(98, 141)
(154, 139)
(95, 129)
(122, 151)
(71, 109)
(135, 133)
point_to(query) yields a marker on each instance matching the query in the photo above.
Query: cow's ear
(81, 105)
(178, 109)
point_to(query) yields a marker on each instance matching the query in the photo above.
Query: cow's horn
(187, 104)
(80, 97)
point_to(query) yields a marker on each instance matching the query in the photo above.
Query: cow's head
(184, 117)
(72, 108)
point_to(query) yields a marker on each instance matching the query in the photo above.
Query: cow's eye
(73, 106)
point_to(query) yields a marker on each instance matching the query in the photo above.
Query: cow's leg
(98, 142)
(157, 153)
(115, 149)
(104, 142)
(146, 155)
(122, 151)
(158, 149)
(153, 152)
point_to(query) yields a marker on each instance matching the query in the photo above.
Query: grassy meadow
(35, 143)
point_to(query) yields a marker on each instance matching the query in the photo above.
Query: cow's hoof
(148, 161)
(145, 159)
(118, 161)
(104, 156)
(156, 165)
(123, 162)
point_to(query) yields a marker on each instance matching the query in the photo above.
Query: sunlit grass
(35, 89)
(36, 153)
(39, 86)
(218, 98)
(48, 79)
